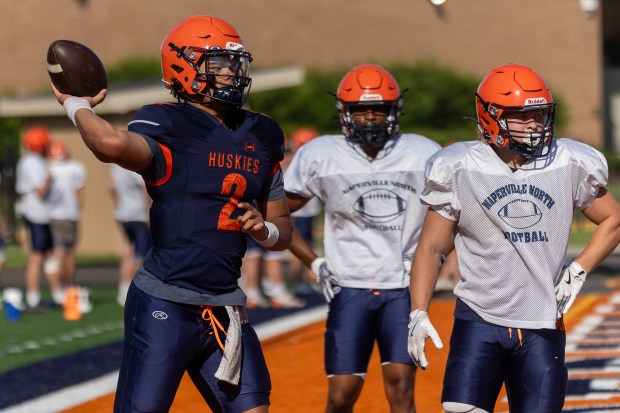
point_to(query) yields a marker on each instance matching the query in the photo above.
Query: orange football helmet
(57, 151)
(514, 88)
(367, 85)
(37, 139)
(302, 136)
(203, 60)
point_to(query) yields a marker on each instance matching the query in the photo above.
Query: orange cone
(71, 306)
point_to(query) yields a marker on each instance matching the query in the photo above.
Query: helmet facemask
(495, 128)
(370, 135)
(221, 75)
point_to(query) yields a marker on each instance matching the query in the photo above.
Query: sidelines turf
(43, 335)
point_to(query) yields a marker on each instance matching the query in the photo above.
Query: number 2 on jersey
(238, 182)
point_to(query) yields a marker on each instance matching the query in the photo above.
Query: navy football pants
(483, 356)
(164, 339)
(359, 317)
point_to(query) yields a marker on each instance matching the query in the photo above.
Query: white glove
(326, 278)
(569, 286)
(420, 327)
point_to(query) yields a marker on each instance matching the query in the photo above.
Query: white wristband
(272, 236)
(73, 104)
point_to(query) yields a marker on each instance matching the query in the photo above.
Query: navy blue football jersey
(201, 170)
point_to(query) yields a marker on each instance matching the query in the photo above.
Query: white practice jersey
(131, 198)
(68, 177)
(31, 173)
(513, 227)
(373, 214)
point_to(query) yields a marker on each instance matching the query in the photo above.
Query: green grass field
(16, 258)
(43, 335)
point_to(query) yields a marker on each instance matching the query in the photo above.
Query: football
(380, 205)
(520, 213)
(75, 69)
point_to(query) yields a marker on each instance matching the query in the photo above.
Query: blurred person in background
(264, 280)
(131, 211)
(369, 181)
(66, 200)
(206, 162)
(32, 184)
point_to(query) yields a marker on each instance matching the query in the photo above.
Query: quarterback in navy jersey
(213, 172)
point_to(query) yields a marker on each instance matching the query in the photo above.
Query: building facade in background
(562, 40)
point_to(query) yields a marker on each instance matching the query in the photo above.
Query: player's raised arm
(79, 82)
(106, 142)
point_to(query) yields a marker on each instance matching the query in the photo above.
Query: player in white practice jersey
(131, 211)
(66, 201)
(510, 198)
(369, 181)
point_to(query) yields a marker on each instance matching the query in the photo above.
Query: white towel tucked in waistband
(229, 369)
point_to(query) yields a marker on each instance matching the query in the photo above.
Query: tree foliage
(436, 100)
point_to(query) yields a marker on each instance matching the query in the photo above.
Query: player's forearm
(424, 272)
(605, 212)
(300, 249)
(603, 242)
(110, 144)
(437, 237)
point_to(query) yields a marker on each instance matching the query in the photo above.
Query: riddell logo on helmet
(535, 101)
(234, 46)
(371, 97)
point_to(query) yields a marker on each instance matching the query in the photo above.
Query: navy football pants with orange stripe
(531, 362)
(164, 339)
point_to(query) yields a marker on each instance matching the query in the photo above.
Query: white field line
(61, 339)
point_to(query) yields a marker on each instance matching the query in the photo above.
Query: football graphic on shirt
(520, 213)
(380, 205)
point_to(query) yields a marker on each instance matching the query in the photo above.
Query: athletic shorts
(138, 235)
(531, 362)
(256, 250)
(164, 339)
(40, 237)
(64, 233)
(358, 317)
